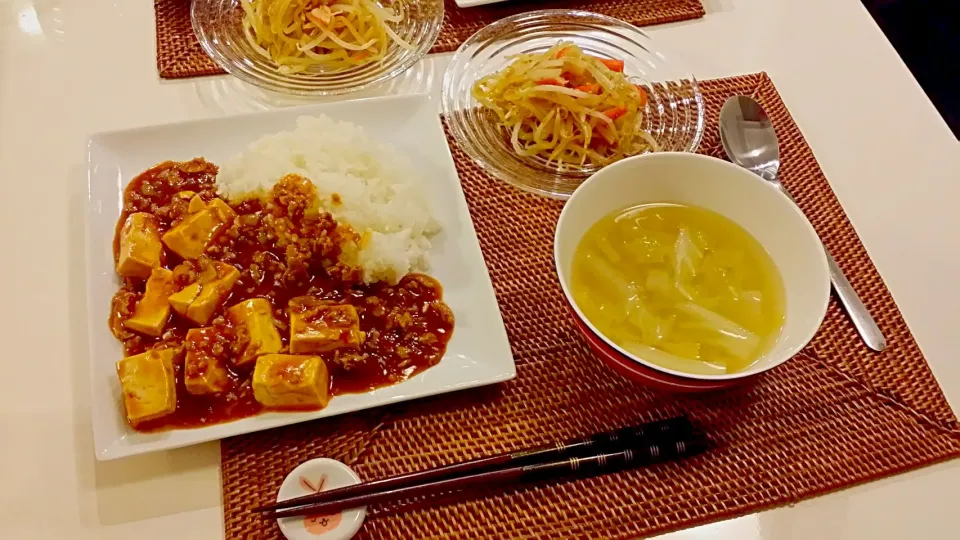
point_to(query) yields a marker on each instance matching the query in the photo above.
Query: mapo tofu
(140, 250)
(249, 307)
(204, 364)
(291, 381)
(198, 300)
(256, 332)
(319, 325)
(190, 238)
(148, 384)
(153, 310)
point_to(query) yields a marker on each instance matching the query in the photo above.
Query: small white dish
(314, 476)
(734, 192)
(478, 353)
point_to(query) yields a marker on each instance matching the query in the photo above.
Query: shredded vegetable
(327, 34)
(567, 107)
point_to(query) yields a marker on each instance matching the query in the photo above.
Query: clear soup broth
(679, 286)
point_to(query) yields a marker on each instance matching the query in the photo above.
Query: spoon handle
(862, 320)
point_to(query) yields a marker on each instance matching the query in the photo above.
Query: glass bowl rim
(235, 70)
(476, 40)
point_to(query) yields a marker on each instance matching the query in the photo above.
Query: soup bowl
(731, 191)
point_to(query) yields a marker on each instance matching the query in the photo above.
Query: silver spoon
(750, 141)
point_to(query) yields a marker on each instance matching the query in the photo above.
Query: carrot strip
(615, 112)
(553, 82)
(588, 88)
(562, 52)
(612, 65)
(643, 95)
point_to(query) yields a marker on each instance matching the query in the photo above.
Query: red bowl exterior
(642, 374)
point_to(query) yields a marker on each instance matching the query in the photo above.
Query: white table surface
(72, 67)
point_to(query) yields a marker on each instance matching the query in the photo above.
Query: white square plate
(478, 353)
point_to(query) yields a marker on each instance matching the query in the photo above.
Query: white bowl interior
(731, 191)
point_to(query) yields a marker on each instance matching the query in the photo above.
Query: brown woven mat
(179, 54)
(834, 416)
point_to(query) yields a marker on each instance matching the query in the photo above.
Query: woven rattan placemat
(179, 54)
(834, 416)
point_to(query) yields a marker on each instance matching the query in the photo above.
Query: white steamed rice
(380, 196)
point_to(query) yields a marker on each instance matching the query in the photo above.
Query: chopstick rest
(315, 476)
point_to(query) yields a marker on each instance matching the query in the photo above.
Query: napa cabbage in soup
(679, 286)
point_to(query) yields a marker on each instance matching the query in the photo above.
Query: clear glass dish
(217, 24)
(674, 113)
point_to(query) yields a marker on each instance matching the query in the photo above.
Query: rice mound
(376, 185)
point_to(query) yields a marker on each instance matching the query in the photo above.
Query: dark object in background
(926, 35)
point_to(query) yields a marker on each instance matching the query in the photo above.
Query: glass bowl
(673, 115)
(217, 24)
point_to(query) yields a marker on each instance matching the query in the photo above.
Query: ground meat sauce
(284, 246)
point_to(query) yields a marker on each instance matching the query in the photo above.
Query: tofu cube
(185, 195)
(318, 326)
(140, 248)
(254, 319)
(196, 202)
(213, 293)
(190, 237)
(198, 301)
(180, 301)
(153, 310)
(291, 381)
(222, 210)
(204, 371)
(148, 384)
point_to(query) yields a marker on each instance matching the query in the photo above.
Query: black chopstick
(636, 453)
(670, 429)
